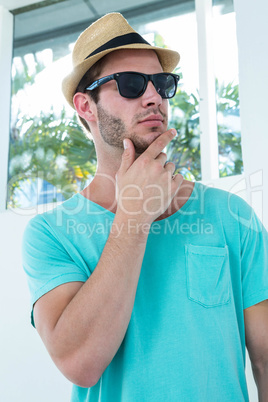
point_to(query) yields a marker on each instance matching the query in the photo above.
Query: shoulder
(227, 202)
(228, 210)
(55, 216)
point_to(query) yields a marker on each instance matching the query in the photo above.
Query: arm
(83, 325)
(256, 327)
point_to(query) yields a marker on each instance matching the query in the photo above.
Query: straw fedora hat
(107, 34)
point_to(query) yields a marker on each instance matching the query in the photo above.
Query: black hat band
(127, 39)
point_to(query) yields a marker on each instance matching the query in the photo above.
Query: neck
(102, 189)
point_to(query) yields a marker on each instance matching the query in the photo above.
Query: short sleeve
(46, 261)
(254, 261)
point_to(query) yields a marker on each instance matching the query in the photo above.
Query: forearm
(92, 326)
(256, 329)
(261, 379)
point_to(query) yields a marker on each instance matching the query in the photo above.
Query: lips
(153, 117)
(154, 120)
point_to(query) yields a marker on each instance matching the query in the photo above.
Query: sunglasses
(133, 85)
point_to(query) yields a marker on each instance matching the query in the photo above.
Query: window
(227, 89)
(50, 157)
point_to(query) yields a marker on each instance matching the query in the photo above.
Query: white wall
(252, 34)
(26, 371)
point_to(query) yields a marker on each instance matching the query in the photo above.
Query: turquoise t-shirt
(202, 267)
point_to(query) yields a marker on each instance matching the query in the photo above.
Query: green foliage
(230, 152)
(49, 147)
(159, 40)
(55, 150)
(184, 151)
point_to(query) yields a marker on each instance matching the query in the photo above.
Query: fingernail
(173, 132)
(125, 143)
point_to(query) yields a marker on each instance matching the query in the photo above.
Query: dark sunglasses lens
(131, 85)
(166, 85)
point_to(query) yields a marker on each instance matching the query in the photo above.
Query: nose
(151, 97)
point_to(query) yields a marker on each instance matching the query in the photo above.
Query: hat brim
(168, 60)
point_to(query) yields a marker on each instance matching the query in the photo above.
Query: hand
(146, 186)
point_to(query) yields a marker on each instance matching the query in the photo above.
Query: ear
(85, 106)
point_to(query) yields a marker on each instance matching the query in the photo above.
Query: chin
(142, 144)
(143, 140)
(153, 135)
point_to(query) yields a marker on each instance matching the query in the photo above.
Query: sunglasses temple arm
(99, 82)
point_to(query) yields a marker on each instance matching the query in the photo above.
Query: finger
(162, 158)
(177, 181)
(160, 143)
(128, 156)
(170, 166)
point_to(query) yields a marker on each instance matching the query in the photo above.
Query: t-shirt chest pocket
(208, 275)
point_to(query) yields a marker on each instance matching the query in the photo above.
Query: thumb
(128, 156)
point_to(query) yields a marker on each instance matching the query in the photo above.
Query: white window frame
(207, 104)
(6, 48)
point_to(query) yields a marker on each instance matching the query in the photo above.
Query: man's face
(142, 119)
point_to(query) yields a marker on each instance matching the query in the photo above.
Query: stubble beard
(113, 130)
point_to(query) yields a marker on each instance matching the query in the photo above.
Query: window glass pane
(227, 88)
(50, 157)
(180, 33)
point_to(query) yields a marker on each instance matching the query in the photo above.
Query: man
(145, 286)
